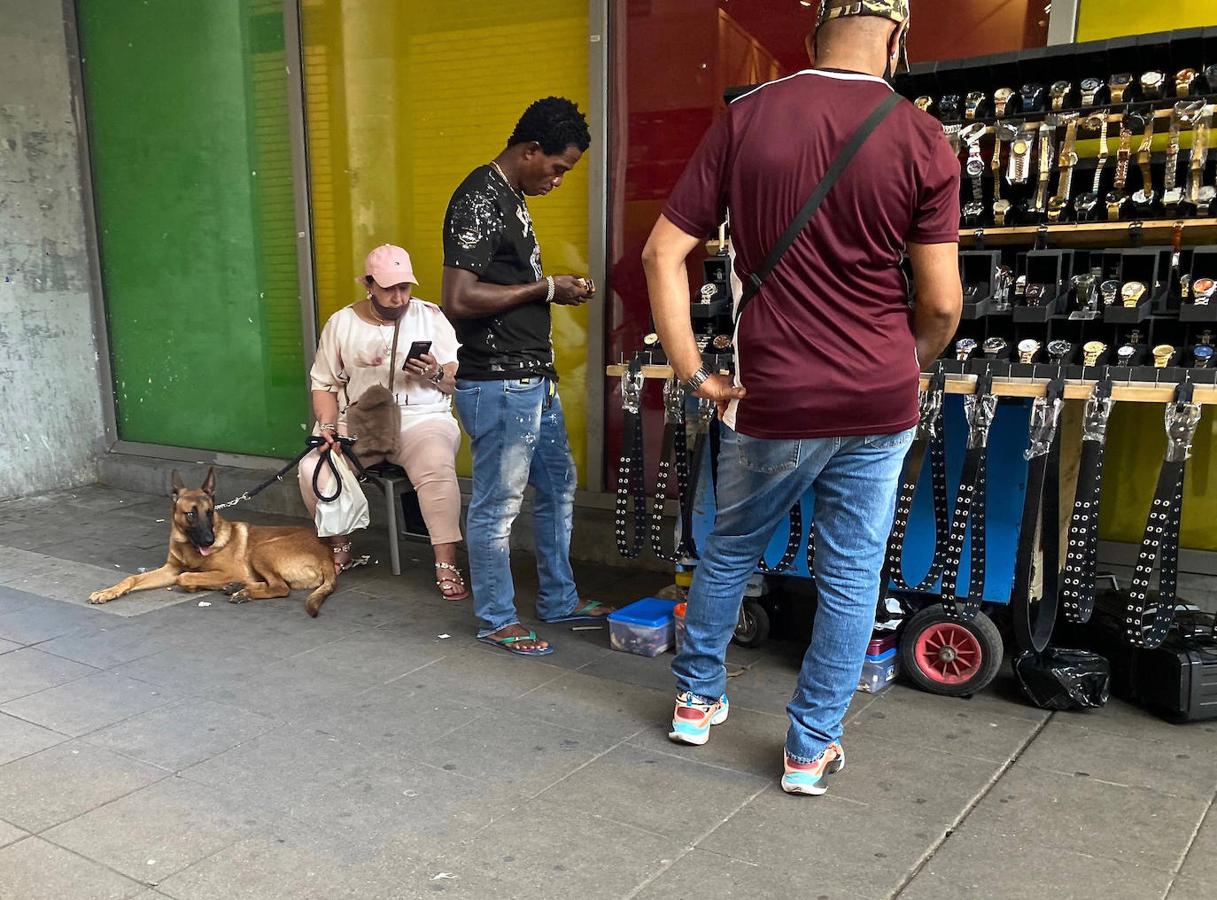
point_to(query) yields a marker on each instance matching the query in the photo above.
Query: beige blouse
(353, 355)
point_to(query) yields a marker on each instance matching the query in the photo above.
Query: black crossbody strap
(838, 167)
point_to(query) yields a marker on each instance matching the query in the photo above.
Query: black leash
(675, 451)
(1082, 555)
(631, 481)
(311, 444)
(1035, 619)
(931, 436)
(979, 409)
(1148, 618)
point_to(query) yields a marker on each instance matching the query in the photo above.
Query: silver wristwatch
(697, 379)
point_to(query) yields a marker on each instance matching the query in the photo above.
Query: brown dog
(257, 562)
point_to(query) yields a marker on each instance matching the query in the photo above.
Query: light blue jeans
(519, 438)
(854, 482)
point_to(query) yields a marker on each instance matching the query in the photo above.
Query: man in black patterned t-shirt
(498, 298)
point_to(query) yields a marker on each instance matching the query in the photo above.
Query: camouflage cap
(896, 10)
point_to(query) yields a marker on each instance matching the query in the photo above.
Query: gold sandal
(351, 563)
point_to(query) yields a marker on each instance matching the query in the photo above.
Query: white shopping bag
(349, 510)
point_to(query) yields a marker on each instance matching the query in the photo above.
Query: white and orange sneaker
(692, 719)
(808, 778)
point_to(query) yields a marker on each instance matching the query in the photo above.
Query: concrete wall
(51, 423)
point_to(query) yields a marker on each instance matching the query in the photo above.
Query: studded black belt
(1077, 592)
(631, 481)
(1034, 618)
(979, 408)
(674, 454)
(1148, 617)
(931, 436)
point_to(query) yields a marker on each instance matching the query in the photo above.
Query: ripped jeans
(519, 438)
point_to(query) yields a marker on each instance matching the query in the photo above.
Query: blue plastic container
(646, 627)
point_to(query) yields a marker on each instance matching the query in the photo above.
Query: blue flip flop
(508, 644)
(580, 614)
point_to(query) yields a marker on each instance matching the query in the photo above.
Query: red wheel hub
(948, 653)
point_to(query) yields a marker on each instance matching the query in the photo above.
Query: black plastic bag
(1060, 678)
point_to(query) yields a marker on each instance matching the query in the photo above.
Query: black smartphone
(417, 349)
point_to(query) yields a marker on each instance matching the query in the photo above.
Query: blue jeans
(519, 438)
(854, 482)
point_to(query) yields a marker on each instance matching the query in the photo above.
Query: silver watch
(697, 379)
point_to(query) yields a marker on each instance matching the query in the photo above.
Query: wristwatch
(1090, 91)
(1003, 132)
(994, 348)
(1125, 355)
(1151, 84)
(1091, 351)
(721, 342)
(1059, 351)
(1119, 85)
(1084, 205)
(1059, 92)
(697, 379)
(1047, 133)
(1035, 294)
(1109, 289)
(1001, 98)
(1200, 195)
(1202, 354)
(1184, 115)
(1033, 98)
(1020, 158)
(964, 347)
(924, 103)
(1146, 195)
(1083, 289)
(651, 340)
(975, 169)
(1203, 290)
(1183, 82)
(952, 133)
(1027, 349)
(948, 107)
(1068, 159)
(1131, 293)
(1163, 354)
(973, 104)
(707, 292)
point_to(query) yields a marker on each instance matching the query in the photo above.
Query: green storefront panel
(192, 173)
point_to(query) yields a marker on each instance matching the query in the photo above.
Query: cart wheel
(945, 656)
(753, 627)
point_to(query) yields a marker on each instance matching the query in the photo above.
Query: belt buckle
(1181, 422)
(673, 401)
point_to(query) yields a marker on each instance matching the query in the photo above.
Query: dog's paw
(104, 596)
(232, 587)
(241, 596)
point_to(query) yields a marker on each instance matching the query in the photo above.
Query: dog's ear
(176, 481)
(209, 483)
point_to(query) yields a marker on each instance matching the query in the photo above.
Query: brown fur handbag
(374, 420)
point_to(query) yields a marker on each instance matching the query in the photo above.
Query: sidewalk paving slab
(709, 876)
(35, 869)
(29, 670)
(89, 703)
(19, 738)
(10, 834)
(1201, 862)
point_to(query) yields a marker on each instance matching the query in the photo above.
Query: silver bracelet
(328, 426)
(549, 295)
(438, 377)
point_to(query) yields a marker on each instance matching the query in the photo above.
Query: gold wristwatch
(1162, 355)
(1020, 158)
(1003, 132)
(1090, 91)
(1091, 351)
(1068, 159)
(1146, 195)
(1117, 198)
(972, 105)
(1183, 82)
(1059, 92)
(1131, 294)
(924, 103)
(1001, 98)
(1184, 115)
(1118, 85)
(1027, 350)
(1203, 290)
(1196, 191)
(1046, 134)
(1085, 204)
(1151, 84)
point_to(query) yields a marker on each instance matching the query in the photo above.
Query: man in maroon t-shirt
(827, 354)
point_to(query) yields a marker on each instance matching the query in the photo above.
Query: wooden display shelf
(1095, 234)
(1017, 387)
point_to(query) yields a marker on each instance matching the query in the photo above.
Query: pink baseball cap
(389, 265)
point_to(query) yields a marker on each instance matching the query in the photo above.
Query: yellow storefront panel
(1100, 19)
(403, 101)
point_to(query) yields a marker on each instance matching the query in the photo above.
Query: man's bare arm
(939, 298)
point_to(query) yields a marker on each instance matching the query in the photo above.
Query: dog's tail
(317, 597)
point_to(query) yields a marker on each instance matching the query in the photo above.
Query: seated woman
(352, 356)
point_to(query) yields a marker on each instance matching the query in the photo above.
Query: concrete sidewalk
(159, 746)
